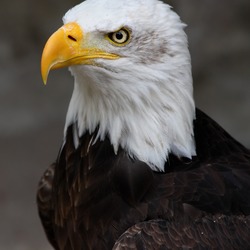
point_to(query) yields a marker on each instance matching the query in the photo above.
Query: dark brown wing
(225, 167)
(210, 232)
(45, 205)
(213, 142)
(217, 179)
(98, 195)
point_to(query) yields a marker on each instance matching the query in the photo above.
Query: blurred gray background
(32, 115)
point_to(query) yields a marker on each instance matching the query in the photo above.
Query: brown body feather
(91, 196)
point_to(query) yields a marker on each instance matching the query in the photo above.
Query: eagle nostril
(72, 38)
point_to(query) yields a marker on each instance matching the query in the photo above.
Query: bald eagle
(140, 167)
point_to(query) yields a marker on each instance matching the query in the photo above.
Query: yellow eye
(120, 37)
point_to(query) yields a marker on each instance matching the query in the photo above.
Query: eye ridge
(119, 37)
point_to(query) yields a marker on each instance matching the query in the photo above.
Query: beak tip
(44, 82)
(44, 77)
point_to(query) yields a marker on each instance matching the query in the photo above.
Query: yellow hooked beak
(66, 47)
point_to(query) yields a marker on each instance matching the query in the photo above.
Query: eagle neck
(146, 119)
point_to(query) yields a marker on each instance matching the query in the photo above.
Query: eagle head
(132, 76)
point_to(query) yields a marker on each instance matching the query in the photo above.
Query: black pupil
(118, 35)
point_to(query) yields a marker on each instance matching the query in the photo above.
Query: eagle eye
(120, 37)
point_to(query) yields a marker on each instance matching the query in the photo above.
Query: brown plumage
(208, 232)
(92, 198)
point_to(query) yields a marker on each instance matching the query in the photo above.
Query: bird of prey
(140, 167)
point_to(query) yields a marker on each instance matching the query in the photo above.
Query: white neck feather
(148, 117)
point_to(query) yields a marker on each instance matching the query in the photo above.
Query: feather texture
(209, 232)
(98, 195)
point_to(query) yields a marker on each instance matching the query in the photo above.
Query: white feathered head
(132, 76)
